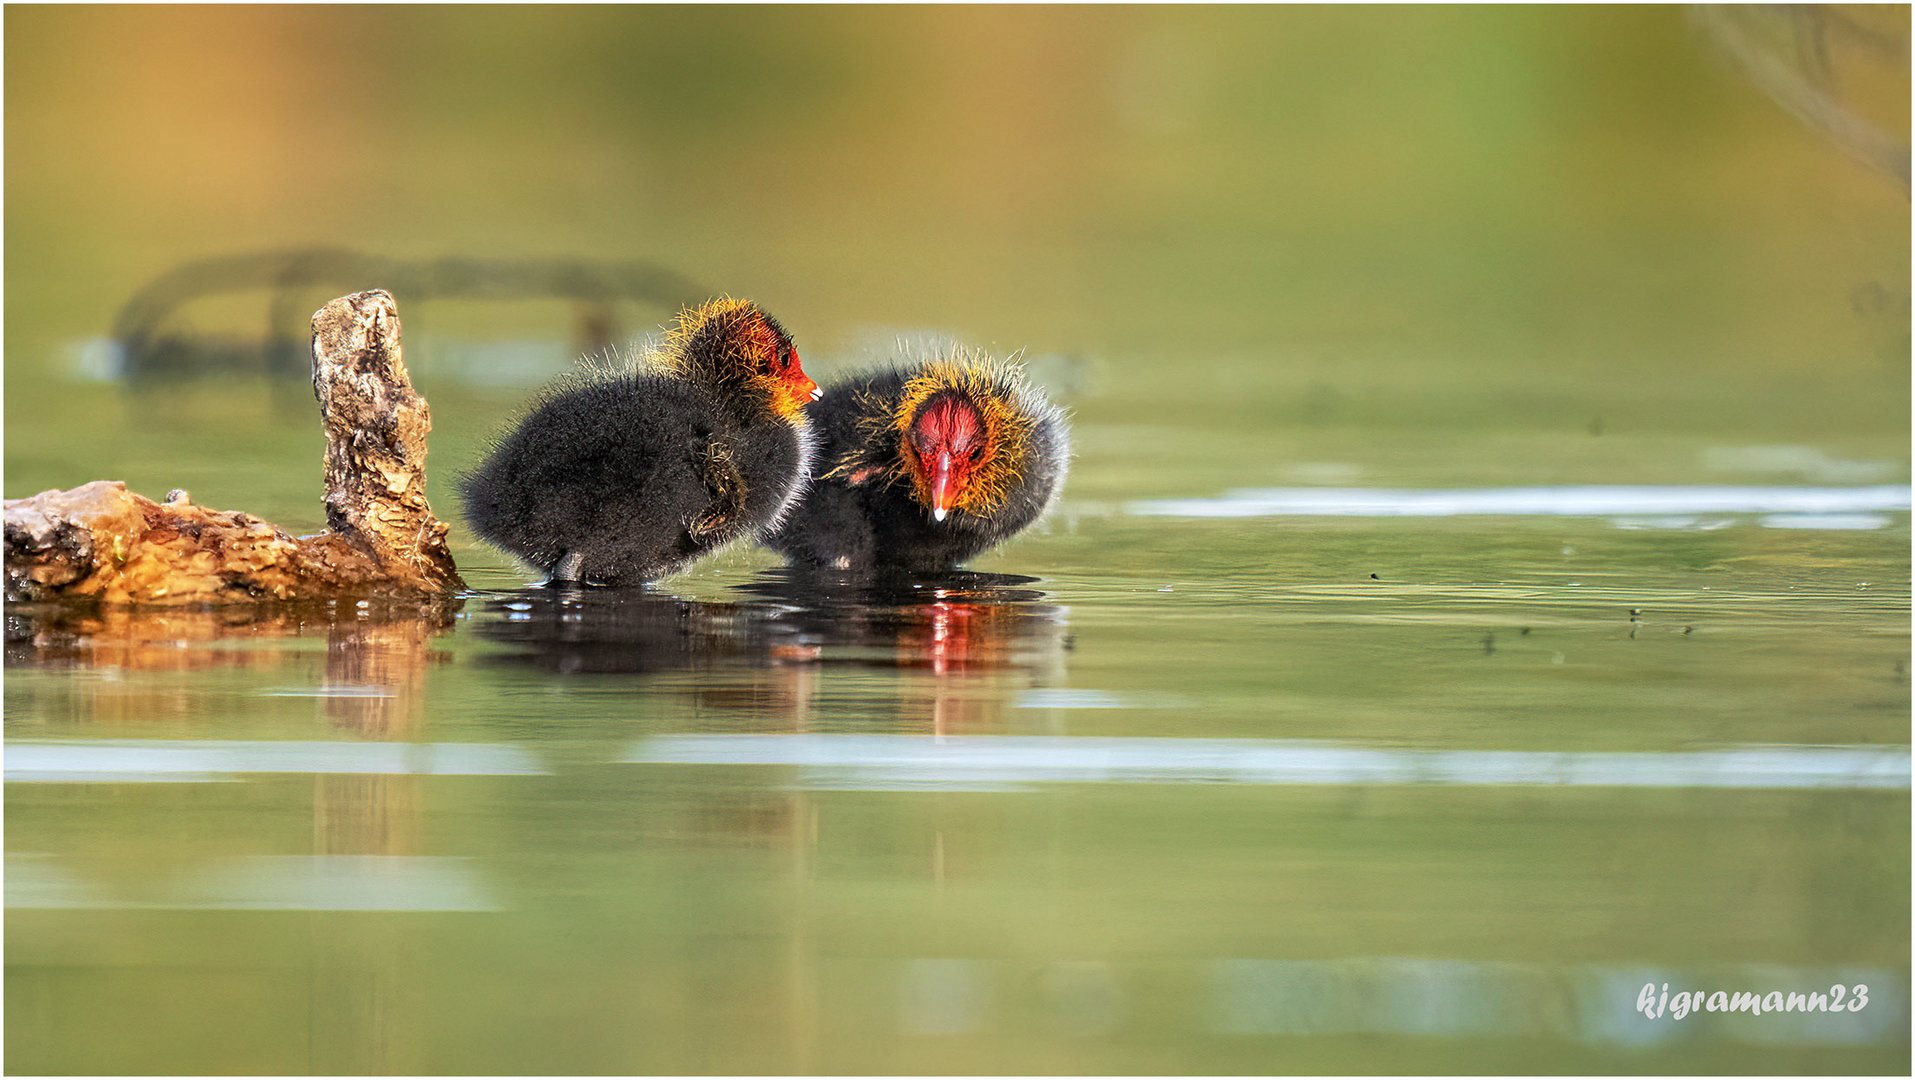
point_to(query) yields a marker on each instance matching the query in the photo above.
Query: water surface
(1266, 812)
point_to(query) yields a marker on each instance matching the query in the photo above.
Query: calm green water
(1188, 780)
(594, 901)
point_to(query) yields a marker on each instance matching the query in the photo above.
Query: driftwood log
(104, 542)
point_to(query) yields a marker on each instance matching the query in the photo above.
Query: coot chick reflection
(625, 478)
(788, 618)
(948, 622)
(925, 468)
(572, 631)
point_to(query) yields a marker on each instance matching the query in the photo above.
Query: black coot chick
(926, 467)
(619, 479)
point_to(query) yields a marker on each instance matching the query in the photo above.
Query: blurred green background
(1444, 243)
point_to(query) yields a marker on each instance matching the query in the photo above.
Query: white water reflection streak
(179, 760)
(907, 762)
(1790, 507)
(265, 883)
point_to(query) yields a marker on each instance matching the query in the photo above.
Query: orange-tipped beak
(803, 387)
(942, 490)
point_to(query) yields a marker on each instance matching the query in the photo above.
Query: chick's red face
(948, 443)
(785, 370)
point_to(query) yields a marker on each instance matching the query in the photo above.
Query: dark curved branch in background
(139, 324)
(1799, 54)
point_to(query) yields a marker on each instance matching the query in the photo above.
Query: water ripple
(1827, 507)
(908, 762)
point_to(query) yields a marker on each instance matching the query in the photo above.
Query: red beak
(941, 487)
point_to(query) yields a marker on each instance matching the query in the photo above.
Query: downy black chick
(926, 467)
(620, 479)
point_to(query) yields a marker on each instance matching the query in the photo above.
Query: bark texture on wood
(104, 542)
(376, 428)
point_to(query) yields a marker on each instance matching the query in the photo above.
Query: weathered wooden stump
(104, 542)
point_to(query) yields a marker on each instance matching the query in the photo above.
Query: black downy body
(620, 479)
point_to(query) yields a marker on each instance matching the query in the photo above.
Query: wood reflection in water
(111, 641)
(371, 687)
(375, 674)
